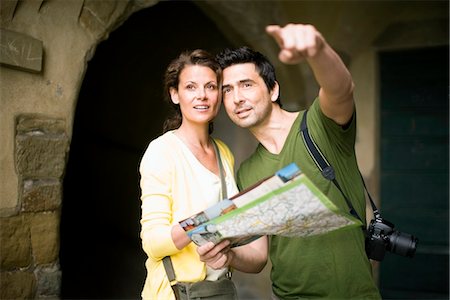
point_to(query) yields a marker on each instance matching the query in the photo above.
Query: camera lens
(403, 243)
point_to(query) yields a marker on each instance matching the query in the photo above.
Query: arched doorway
(119, 110)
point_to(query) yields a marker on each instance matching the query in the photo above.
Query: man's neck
(273, 133)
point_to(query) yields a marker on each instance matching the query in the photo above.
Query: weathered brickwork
(41, 195)
(41, 147)
(17, 285)
(15, 243)
(30, 240)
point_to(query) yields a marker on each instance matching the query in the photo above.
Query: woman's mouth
(201, 107)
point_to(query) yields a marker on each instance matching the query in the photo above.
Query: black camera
(381, 236)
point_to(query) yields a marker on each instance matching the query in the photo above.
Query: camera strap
(327, 170)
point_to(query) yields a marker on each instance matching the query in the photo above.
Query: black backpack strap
(322, 163)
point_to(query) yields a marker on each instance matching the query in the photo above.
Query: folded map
(286, 204)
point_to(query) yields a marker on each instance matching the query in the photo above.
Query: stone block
(48, 281)
(41, 147)
(41, 195)
(15, 245)
(20, 51)
(40, 155)
(44, 237)
(7, 10)
(17, 285)
(32, 123)
(97, 14)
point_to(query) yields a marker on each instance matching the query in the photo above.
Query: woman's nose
(201, 93)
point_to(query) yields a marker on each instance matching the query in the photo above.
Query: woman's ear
(174, 96)
(275, 92)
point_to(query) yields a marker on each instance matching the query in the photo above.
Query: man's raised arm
(300, 42)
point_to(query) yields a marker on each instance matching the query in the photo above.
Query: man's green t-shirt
(334, 265)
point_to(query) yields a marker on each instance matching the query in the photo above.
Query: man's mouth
(242, 112)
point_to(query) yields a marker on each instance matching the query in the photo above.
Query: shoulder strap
(221, 171)
(325, 167)
(167, 262)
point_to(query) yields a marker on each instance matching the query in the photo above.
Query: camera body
(382, 236)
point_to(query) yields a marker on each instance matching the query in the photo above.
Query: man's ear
(174, 96)
(275, 92)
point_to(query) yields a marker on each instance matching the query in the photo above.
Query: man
(334, 265)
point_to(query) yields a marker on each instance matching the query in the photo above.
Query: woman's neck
(199, 143)
(197, 137)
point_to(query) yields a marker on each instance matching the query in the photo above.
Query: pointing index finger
(274, 31)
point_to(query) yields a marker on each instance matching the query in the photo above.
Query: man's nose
(237, 96)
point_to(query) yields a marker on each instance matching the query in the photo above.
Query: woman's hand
(216, 256)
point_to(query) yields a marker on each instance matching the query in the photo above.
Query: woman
(180, 173)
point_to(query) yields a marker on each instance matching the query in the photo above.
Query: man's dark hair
(242, 55)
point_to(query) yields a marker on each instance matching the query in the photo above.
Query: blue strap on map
(288, 172)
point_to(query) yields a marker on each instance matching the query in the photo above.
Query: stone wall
(29, 240)
(45, 47)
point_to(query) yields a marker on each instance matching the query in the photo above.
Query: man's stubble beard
(254, 119)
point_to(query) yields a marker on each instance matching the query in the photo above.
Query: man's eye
(226, 90)
(247, 84)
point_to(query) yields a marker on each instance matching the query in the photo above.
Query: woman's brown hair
(172, 77)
